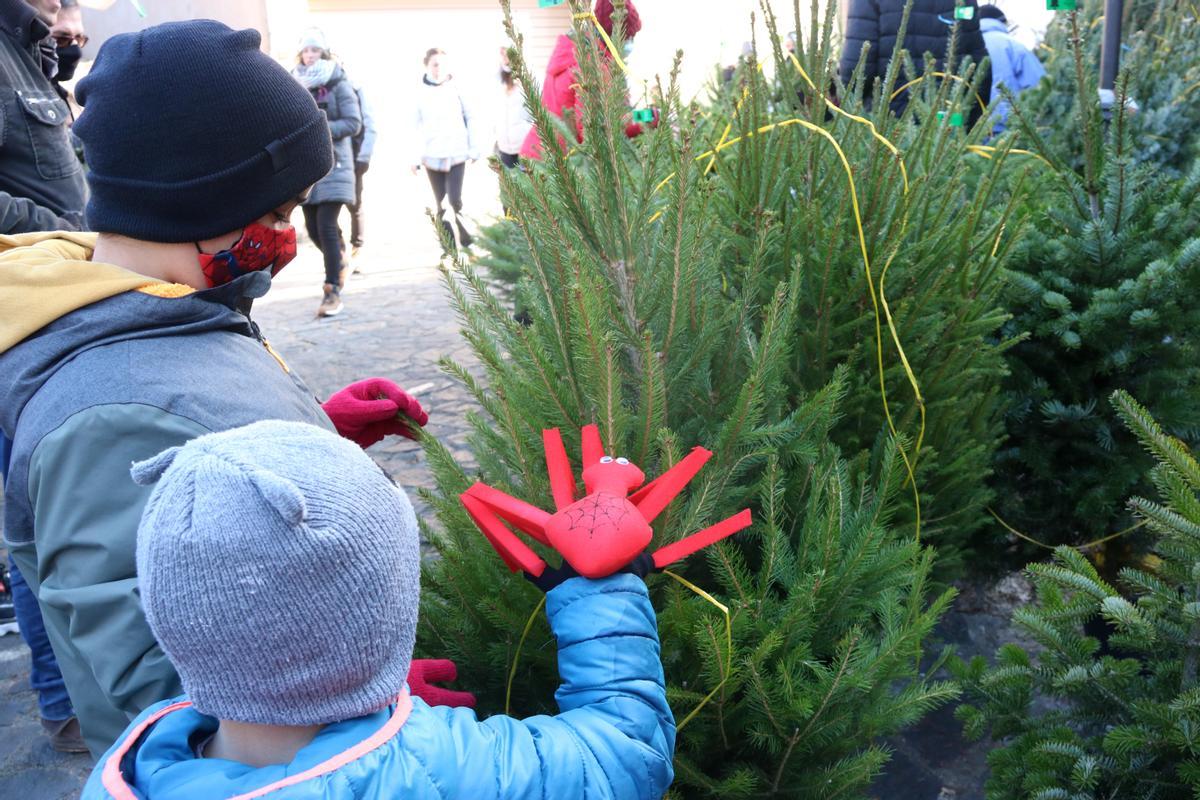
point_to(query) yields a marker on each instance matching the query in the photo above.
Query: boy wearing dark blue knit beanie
(283, 703)
(118, 344)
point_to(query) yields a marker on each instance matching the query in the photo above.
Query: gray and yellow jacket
(101, 367)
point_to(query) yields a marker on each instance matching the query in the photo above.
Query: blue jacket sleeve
(615, 735)
(367, 148)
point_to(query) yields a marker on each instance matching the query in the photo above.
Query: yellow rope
(999, 236)
(835, 108)
(728, 646)
(1079, 547)
(875, 300)
(829, 104)
(986, 151)
(612, 48)
(729, 126)
(915, 81)
(512, 672)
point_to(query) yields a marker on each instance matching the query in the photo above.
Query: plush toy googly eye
(606, 460)
(623, 461)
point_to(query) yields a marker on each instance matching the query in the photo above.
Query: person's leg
(45, 677)
(438, 180)
(310, 224)
(323, 228)
(454, 188)
(331, 242)
(356, 211)
(509, 161)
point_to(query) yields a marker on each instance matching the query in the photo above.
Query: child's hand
(642, 565)
(368, 410)
(424, 670)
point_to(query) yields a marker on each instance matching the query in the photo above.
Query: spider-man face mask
(260, 248)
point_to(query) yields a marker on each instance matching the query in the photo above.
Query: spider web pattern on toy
(597, 512)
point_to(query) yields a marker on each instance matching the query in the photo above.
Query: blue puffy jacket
(1013, 65)
(614, 737)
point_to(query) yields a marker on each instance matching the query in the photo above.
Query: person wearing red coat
(560, 90)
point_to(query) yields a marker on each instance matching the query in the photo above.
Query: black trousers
(321, 222)
(357, 225)
(510, 161)
(450, 184)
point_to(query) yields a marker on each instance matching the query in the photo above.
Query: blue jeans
(53, 701)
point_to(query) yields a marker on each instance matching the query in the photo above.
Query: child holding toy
(297, 705)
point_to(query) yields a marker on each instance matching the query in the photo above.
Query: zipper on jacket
(263, 340)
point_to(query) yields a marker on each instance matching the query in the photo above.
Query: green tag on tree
(955, 118)
(643, 115)
(1060, 5)
(549, 3)
(964, 12)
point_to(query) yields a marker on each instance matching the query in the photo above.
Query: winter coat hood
(56, 303)
(47, 275)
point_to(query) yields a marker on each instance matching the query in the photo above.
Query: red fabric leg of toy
(593, 447)
(516, 554)
(656, 495)
(562, 480)
(527, 519)
(698, 541)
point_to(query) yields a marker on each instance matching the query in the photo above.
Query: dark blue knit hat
(190, 131)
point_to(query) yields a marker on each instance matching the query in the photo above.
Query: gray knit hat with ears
(280, 570)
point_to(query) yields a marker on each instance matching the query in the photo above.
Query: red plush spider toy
(605, 530)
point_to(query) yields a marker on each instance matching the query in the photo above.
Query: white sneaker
(331, 303)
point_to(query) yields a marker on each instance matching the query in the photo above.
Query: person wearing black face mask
(41, 180)
(69, 40)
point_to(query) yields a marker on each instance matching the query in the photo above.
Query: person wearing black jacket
(41, 180)
(930, 25)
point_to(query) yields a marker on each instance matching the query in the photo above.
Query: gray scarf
(315, 76)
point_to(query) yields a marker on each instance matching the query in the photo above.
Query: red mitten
(423, 670)
(636, 129)
(366, 411)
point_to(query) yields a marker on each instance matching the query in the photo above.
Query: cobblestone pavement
(397, 324)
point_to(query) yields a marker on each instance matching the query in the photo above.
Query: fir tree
(780, 207)
(640, 323)
(1161, 55)
(937, 244)
(1087, 720)
(1103, 290)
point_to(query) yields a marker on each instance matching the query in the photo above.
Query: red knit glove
(636, 129)
(366, 411)
(423, 670)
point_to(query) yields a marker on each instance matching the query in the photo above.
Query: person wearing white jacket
(447, 136)
(514, 119)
